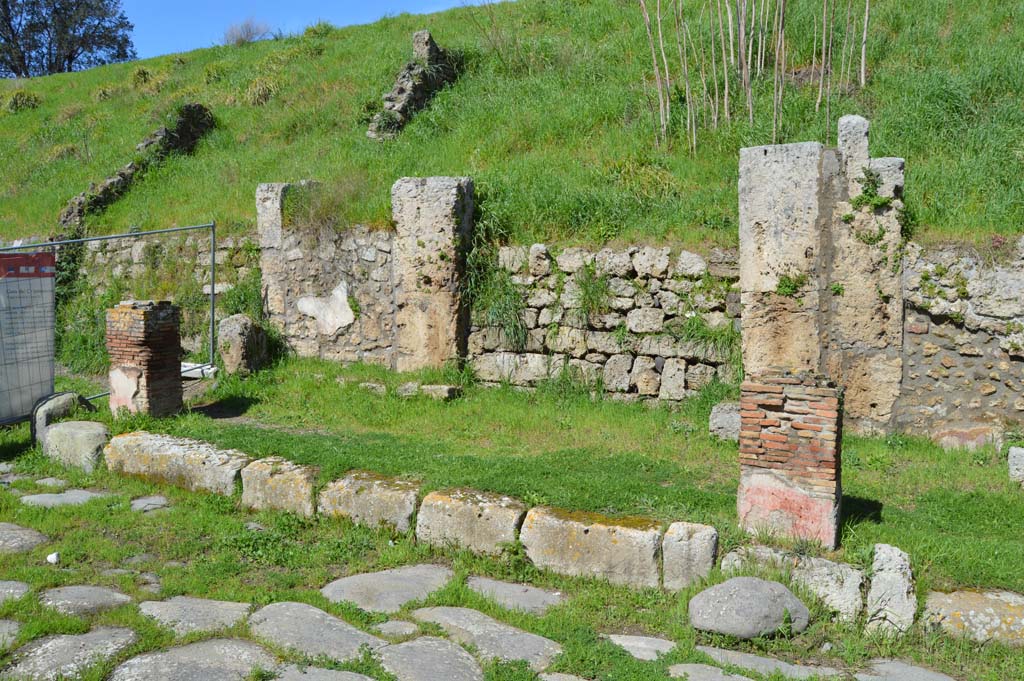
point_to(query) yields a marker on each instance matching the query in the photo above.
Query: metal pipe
(129, 235)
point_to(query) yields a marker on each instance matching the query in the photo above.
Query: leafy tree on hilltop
(38, 37)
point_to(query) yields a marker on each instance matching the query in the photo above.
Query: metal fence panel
(26, 333)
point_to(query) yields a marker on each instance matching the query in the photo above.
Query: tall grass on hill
(552, 118)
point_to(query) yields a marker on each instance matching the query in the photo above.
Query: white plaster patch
(332, 313)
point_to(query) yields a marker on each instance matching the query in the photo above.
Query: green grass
(293, 558)
(551, 118)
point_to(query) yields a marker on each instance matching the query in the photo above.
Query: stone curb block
(371, 500)
(76, 443)
(591, 545)
(276, 483)
(689, 552)
(191, 464)
(469, 519)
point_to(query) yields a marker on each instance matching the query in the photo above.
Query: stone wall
(635, 342)
(963, 373)
(366, 295)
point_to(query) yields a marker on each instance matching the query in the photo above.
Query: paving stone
(12, 591)
(893, 670)
(388, 590)
(276, 483)
(52, 482)
(66, 656)
(8, 633)
(429, 659)
(766, 665)
(213, 660)
(150, 582)
(141, 559)
(150, 504)
(560, 677)
(702, 672)
(310, 631)
(6, 467)
(642, 647)
(492, 639)
(76, 443)
(983, 616)
(83, 600)
(176, 461)
(689, 552)
(186, 615)
(397, 629)
(623, 551)
(18, 539)
(747, 607)
(1015, 459)
(515, 596)
(72, 497)
(291, 672)
(481, 522)
(371, 500)
(892, 601)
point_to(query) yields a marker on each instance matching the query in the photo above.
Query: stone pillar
(786, 201)
(144, 344)
(434, 224)
(790, 440)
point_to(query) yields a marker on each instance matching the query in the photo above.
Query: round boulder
(747, 607)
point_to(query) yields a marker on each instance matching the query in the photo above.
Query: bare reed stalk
(705, 91)
(732, 48)
(725, 67)
(741, 15)
(662, 117)
(828, 97)
(780, 69)
(668, 73)
(864, 45)
(691, 115)
(824, 53)
(846, 42)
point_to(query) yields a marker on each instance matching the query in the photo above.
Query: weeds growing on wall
(723, 341)
(82, 326)
(594, 291)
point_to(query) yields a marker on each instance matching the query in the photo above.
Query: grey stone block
(187, 615)
(177, 461)
(747, 607)
(515, 596)
(66, 656)
(311, 631)
(388, 590)
(216, 659)
(645, 648)
(724, 422)
(18, 539)
(689, 552)
(892, 601)
(76, 443)
(624, 552)
(83, 600)
(478, 521)
(276, 483)
(429, 659)
(372, 500)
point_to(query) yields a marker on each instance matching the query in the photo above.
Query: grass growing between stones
(551, 117)
(202, 547)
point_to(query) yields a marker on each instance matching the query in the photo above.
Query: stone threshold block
(689, 552)
(190, 464)
(623, 551)
(279, 484)
(76, 443)
(371, 500)
(478, 521)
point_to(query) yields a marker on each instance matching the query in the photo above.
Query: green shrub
(790, 286)
(141, 76)
(261, 90)
(20, 100)
(869, 182)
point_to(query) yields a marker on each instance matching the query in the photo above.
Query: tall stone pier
(822, 322)
(433, 227)
(144, 344)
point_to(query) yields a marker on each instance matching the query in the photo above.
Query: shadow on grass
(229, 408)
(857, 510)
(12, 447)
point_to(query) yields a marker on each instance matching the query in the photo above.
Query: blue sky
(163, 27)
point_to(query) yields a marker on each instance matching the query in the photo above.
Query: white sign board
(26, 333)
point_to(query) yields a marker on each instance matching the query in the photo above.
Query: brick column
(144, 344)
(790, 474)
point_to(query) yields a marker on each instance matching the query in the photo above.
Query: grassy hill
(552, 117)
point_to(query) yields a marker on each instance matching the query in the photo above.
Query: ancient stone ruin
(145, 358)
(430, 70)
